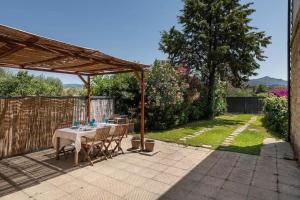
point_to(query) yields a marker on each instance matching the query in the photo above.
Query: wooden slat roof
(19, 49)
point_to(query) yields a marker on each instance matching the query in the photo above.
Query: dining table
(73, 135)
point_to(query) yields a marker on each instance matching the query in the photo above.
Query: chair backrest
(102, 133)
(83, 122)
(113, 116)
(120, 130)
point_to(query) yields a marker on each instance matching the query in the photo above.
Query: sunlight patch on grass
(212, 137)
(221, 127)
(250, 141)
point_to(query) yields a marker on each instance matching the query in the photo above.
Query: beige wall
(295, 83)
(296, 5)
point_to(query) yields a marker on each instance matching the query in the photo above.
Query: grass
(221, 127)
(250, 140)
(212, 137)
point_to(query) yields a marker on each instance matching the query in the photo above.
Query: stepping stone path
(194, 134)
(237, 131)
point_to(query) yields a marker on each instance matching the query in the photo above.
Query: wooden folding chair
(117, 136)
(97, 142)
(68, 148)
(103, 135)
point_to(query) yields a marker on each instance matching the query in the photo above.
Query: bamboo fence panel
(101, 108)
(28, 123)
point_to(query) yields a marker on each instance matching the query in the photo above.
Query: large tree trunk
(211, 95)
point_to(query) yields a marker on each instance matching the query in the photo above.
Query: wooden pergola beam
(29, 44)
(45, 61)
(11, 51)
(68, 53)
(65, 72)
(16, 47)
(79, 67)
(43, 69)
(75, 66)
(99, 70)
(83, 80)
(111, 72)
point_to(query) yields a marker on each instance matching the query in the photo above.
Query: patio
(175, 172)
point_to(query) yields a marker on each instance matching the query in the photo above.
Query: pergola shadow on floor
(176, 172)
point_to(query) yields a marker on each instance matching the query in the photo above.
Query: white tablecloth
(68, 136)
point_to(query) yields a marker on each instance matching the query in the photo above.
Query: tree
(261, 89)
(74, 92)
(123, 87)
(24, 84)
(217, 42)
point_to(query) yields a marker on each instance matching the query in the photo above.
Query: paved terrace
(176, 172)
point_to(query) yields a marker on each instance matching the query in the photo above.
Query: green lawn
(250, 140)
(221, 127)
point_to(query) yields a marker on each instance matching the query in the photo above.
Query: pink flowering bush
(280, 92)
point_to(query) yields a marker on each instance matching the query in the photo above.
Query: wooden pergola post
(87, 84)
(142, 85)
(89, 99)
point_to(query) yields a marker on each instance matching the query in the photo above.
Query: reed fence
(28, 123)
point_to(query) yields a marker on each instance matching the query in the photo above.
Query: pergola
(22, 50)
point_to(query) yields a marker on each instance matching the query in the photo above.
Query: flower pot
(135, 142)
(149, 145)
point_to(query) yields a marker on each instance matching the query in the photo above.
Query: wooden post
(142, 84)
(87, 85)
(89, 99)
(57, 147)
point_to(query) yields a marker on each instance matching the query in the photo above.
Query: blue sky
(131, 29)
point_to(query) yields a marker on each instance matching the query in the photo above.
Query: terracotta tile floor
(175, 172)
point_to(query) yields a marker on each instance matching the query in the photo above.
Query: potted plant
(136, 142)
(149, 145)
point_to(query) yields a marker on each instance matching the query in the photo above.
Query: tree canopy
(24, 84)
(217, 42)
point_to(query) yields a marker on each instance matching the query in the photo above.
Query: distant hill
(73, 86)
(268, 81)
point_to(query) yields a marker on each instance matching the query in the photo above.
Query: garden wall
(295, 86)
(28, 123)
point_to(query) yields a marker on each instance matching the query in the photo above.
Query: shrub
(24, 84)
(164, 97)
(276, 116)
(172, 95)
(123, 87)
(280, 92)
